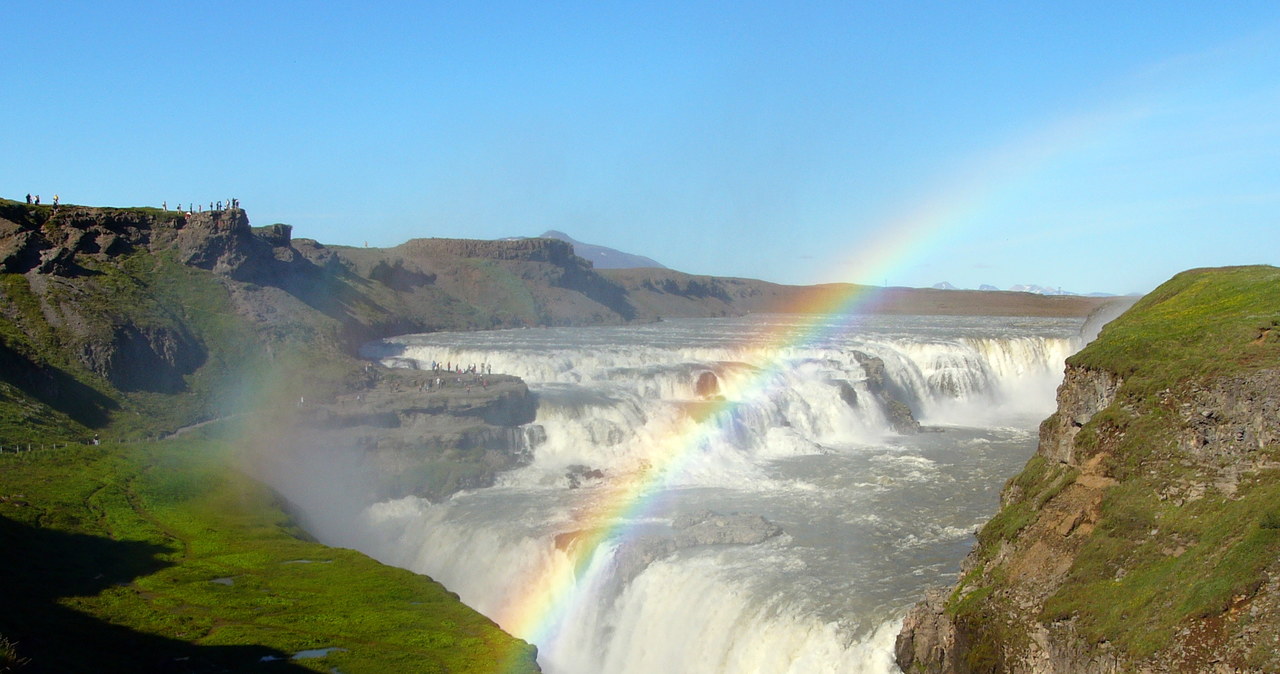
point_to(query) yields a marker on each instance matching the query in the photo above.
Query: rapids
(793, 424)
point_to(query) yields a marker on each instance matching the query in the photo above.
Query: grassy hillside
(1145, 534)
(132, 324)
(163, 557)
(1201, 327)
(1199, 324)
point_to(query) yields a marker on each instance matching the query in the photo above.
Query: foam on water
(870, 518)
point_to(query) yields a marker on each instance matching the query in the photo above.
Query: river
(765, 517)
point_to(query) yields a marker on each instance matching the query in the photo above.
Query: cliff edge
(1144, 535)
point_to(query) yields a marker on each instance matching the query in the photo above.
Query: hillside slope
(144, 320)
(669, 293)
(1144, 535)
(154, 557)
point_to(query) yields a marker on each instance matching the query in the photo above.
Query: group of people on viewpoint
(232, 204)
(458, 370)
(34, 200)
(436, 366)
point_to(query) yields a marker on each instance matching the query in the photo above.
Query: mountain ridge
(603, 257)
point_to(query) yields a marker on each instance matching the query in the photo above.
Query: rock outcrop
(897, 412)
(421, 433)
(935, 638)
(1144, 534)
(132, 301)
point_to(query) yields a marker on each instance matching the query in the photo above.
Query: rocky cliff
(420, 433)
(103, 308)
(1144, 535)
(149, 319)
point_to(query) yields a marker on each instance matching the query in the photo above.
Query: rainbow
(539, 613)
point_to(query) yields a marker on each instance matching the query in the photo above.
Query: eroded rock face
(224, 243)
(1221, 430)
(1082, 394)
(147, 358)
(419, 433)
(53, 245)
(1035, 563)
(707, 386)
(927, 639)
(698, 529)
(895, 410)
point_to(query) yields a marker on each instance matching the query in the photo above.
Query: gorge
(741, 497)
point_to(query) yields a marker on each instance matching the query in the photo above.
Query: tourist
(28, 198)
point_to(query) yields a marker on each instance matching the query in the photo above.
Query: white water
(870, 518)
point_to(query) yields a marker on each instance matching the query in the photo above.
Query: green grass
(1154, 564)
(501, 294)
(45, 395)
(1037, 484)
(129, 557)
(1136, 588)
(1130, 587)
(1200, 323)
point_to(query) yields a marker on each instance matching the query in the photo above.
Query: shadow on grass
(56, 388)
(40, 566)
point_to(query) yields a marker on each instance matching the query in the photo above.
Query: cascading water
(724, 423)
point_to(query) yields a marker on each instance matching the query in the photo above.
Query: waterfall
(800, 436)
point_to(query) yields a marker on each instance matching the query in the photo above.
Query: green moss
(1035, 486)
(1200, 323)
(1151, 566)
(144, 554)
(1157, 559)
(504, 296)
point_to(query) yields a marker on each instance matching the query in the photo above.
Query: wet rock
(707, 386)
(578, 474)
(926, 642)
(897, 412)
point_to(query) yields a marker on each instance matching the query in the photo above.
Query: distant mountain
(1040, 290)
(603, 257)
(1023, 288)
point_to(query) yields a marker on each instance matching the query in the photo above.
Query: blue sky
(1092, 146)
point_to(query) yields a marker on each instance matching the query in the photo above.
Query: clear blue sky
(1095, 146)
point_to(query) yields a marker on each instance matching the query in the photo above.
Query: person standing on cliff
(28, 198)
(55, 200)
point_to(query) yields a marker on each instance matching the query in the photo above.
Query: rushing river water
(868, 518)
